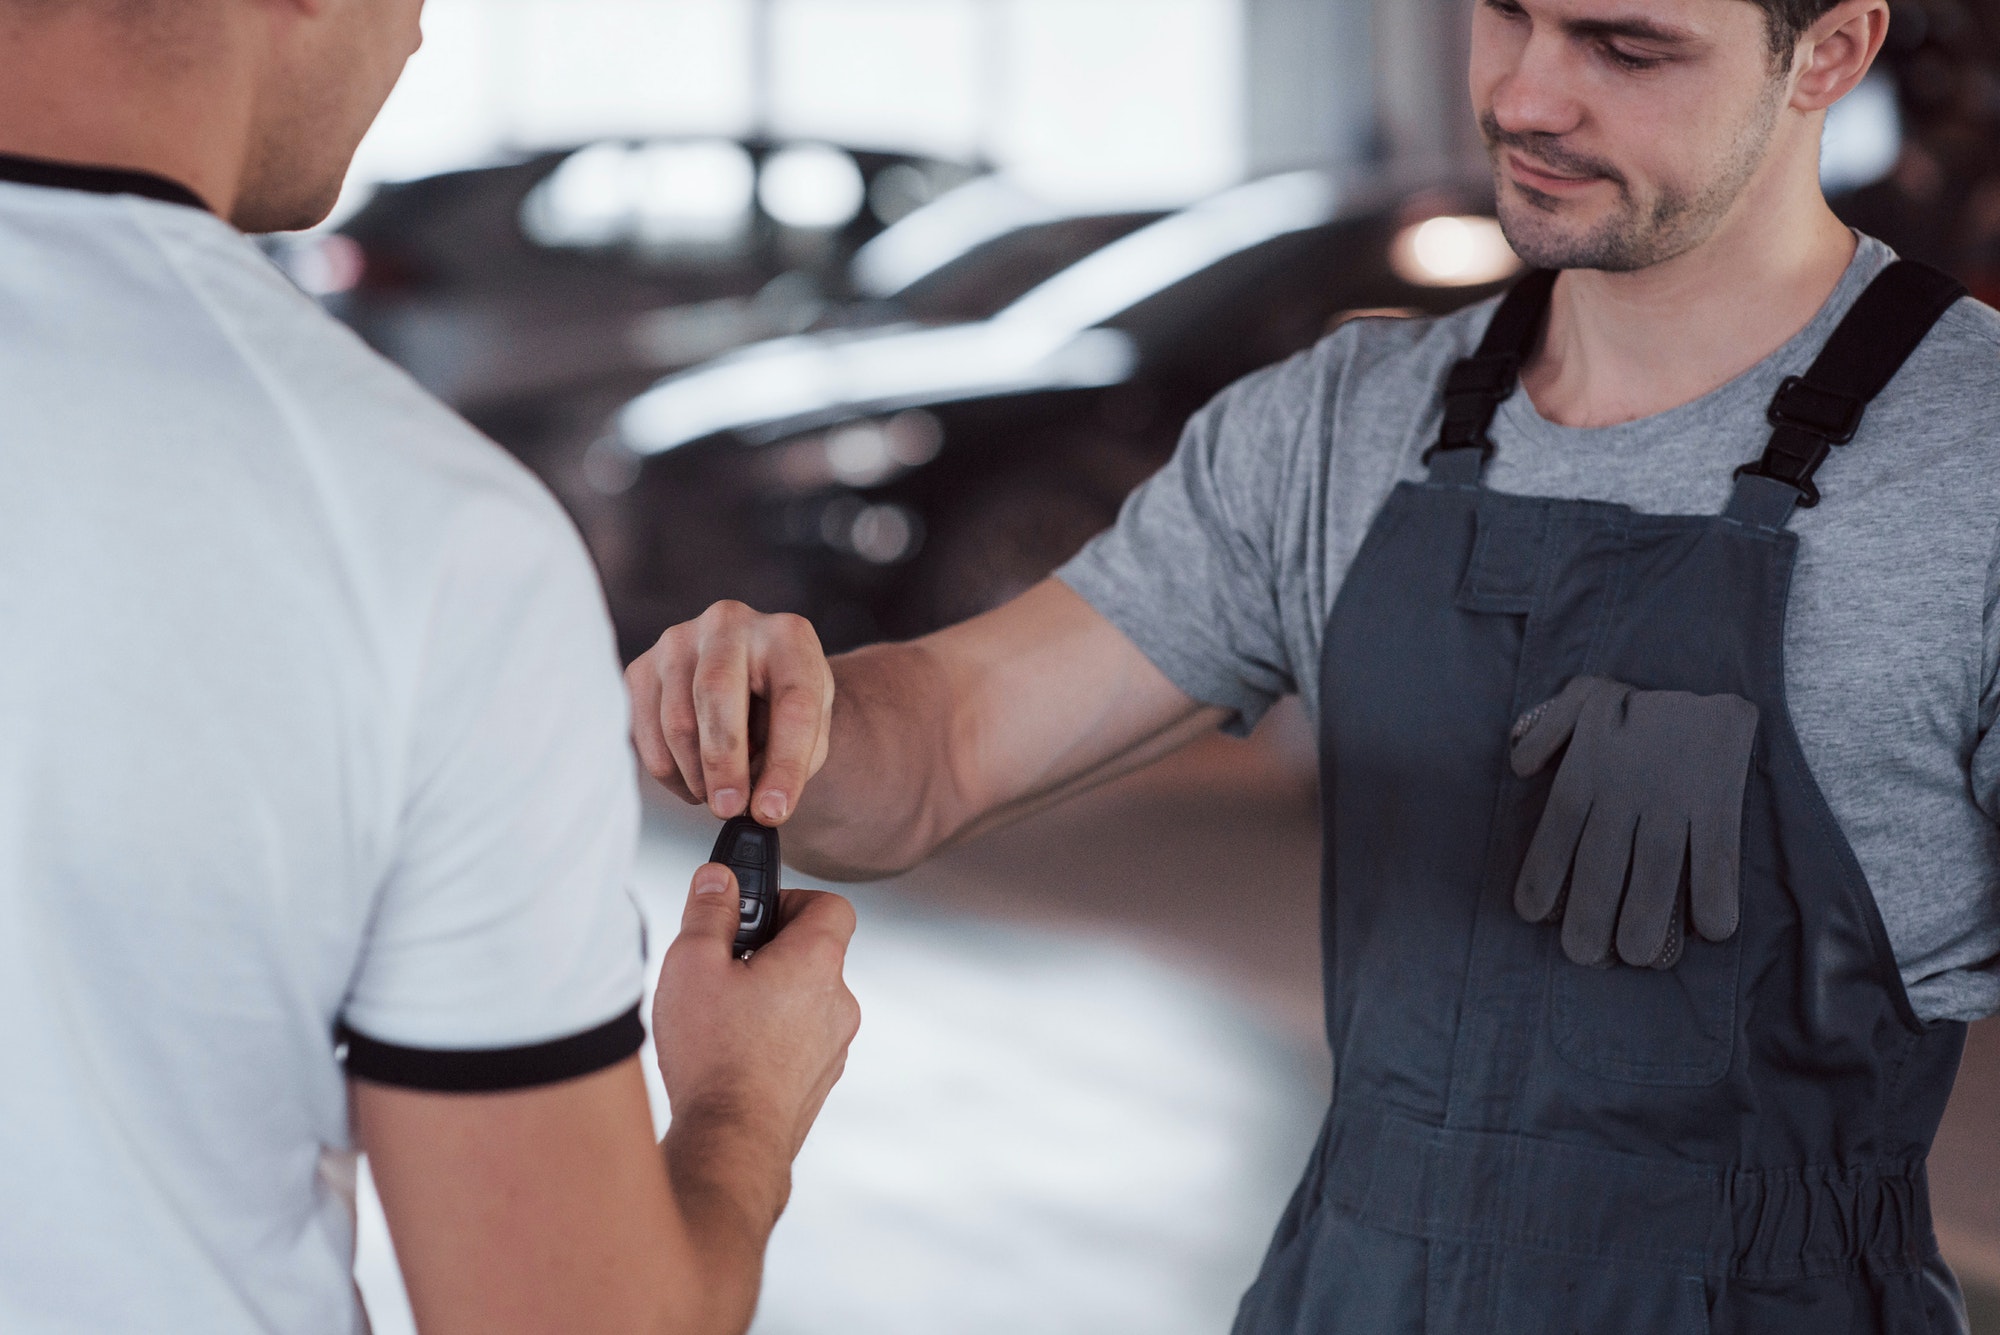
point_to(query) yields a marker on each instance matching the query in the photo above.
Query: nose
(1537, 95)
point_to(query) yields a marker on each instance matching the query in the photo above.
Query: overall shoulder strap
(1823, 408)
(1478, 385)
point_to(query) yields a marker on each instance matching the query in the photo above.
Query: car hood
(791, 383)
(1054, 337)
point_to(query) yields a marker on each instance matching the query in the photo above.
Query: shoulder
(1953, 377)
(1368, 358)
(1970, 331)
(358, 427)
(1951, 383)
(1385, 345)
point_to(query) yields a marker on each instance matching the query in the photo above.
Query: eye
(1628, 60)
(1507, 9)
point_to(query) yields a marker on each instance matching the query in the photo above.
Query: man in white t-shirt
(313, 752)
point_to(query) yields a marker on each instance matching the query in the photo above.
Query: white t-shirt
(310, 721)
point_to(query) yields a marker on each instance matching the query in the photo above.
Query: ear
(1835, 53)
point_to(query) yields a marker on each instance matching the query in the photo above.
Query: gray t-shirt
(1223, 568)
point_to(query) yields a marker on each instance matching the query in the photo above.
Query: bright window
(1086, 102)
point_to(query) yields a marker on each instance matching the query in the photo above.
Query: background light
(692, 192)
(322, 265)
(812, 186)
(1453, 252)
(666, 193)
(1864, 136)
(885, 534)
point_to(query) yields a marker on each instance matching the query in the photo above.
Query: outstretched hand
(734, 709)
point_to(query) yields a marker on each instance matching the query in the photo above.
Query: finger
(1715, 861)
(1649, 926)
(712, 913)
(1716, 840)
(673, 661)
(791, 740)
(642, 687)
(796, 684)
(1597, 887)
(1546, 729)
(1538, 894)
(1741, 725)
(825, 723)
(815, 912)
(722, 714)
(678, 787)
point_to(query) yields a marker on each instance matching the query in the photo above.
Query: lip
(1538, 178)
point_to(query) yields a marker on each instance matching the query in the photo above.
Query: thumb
(713, 908)
(1545, 729)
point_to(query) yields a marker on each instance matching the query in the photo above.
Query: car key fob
(751, 851)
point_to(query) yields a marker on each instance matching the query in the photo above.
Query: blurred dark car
(508, 290)
(922, 461)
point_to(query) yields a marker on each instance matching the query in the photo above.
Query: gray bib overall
(1517, 1143)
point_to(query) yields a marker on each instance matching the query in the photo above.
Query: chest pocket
(1673, 1027)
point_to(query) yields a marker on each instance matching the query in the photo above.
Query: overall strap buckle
(1826, 413)
(1479, 384)
(1473, 392)
(1814, 412)
(1809, 420)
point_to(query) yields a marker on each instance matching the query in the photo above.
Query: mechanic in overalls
(1649, 623)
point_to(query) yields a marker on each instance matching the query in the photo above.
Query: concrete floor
(1090, 1070)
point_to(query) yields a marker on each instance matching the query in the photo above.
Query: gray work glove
(1653, 783)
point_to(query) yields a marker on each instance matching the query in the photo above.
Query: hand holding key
(755, 1044)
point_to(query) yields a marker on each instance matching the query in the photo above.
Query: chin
(284, 211)
(1541, 240)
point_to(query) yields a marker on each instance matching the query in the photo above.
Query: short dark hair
(1787, 20)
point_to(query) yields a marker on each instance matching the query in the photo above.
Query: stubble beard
(1638, 234)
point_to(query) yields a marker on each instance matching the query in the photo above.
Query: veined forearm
(887, 754)
(888, 796)
(977, 726)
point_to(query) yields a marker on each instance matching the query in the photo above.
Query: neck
(185, 116)
(1622, 346)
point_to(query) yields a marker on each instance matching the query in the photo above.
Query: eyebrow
(1644, 30)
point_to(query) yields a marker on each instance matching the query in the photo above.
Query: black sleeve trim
(489, 1070)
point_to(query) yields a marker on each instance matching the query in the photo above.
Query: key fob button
(750, 851)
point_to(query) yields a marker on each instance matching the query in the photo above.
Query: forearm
(946, 738)
(890, 793)
(885, 755)
(730, 1186)
(978, 725)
